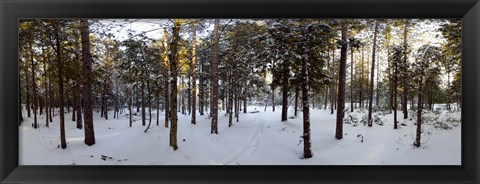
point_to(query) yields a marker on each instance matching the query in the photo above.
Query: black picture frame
(12, 10)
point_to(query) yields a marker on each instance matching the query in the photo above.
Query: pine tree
(87, 84)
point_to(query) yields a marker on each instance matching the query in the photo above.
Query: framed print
(239, 91)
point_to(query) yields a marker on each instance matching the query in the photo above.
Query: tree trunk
(143, 103)
(361, 79)
(419, 113)
(166, 81)
(137, 101)
(341, 83)
(79, 104)
(45, 80)
(194, 74)
(273, 99)
(158, 110)
(332, 88)
(87, 85)
(173, 82)
(395, 79)
(377, 98)
(149, 103)
(214, 81)
(230, 101)
(296, 102)
(404, 77)
(74, 103)
(63, 141)
(20, 111)
(130, 109)
(27, 83)
(351, 79)
(245, 105)
(52, 102)
(34, 86)
(182, 94)
(307, 153)
(285, 87)
(372, 75)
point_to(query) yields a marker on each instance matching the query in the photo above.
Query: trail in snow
(249, 148)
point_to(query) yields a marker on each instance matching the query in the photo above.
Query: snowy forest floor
(257, 139)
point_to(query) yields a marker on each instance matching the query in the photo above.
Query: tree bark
(296, 102)
(307, 153)
(332, 88)
(87, 85)
(63, 141)
(351, 78)
(341, 83)
(130, 109)
(173, 82)
(166, 78)
(372, 75)
(214, 83)
(419, 112)
(194, 74)
(27, 84)
(405, 51)
(34, 86)
(285, 87)
(143, 103)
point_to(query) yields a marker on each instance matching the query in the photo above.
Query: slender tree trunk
(377, 98)
(79, 103)
(201, 88)
(45, 80)
(87, 87)
(214, 81)
(419, 112)
(143, 103)
(390, 82)
(370, 122)
(245, 105)
(285, 93)
(341, 83)
(448, 89)
(194, 74)
(20, 111)
(351, 79)
(137, 99)
(158, 110)
(404, 102)
(182, 94)
(27, 84)
(230, 101)
(63, 141)
(149, 103)
(102, 109)
(52, 102)
(74, 108)
(332, 88)
(296, 102)
(166, 81)
(361, 79)
(34, 86)
(395, 79)
(173, 84)
(273, 100)
(130, 109)
(307, 153)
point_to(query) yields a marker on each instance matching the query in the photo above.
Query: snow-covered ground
(257, 139)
